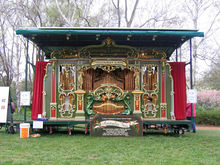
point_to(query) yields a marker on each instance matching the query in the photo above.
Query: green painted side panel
(168, 91)
(47, 89)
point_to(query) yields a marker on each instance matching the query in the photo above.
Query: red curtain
(37, 100)
(179, 81)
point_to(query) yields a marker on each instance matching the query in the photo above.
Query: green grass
(200, 148)
(20, 116)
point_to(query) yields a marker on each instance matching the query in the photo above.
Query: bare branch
(118, 11)
(62, 15)
(129, 22)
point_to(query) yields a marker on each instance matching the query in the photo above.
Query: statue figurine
(137, 80)
(80, 79)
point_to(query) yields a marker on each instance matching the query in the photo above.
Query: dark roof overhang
(167, 40)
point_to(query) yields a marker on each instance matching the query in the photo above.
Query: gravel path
(207, 127)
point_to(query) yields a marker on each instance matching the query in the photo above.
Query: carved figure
(80, 79)
(137, 80)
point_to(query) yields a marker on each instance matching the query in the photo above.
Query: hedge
(208, 117)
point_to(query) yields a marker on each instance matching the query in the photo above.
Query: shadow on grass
(63, 131)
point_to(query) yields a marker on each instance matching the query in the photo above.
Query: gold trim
(137, 92)
(110, 48)
(46, 70)
(108, 63)
(80, 92)
(64, 54)
(158, 54)
(106, 104)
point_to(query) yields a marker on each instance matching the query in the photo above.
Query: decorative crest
(152, 54)
(64, 54)
(108, 48)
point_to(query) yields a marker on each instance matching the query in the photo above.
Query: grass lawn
(200, 148)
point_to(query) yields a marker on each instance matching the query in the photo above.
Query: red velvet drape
(37, 100)
(179, 81)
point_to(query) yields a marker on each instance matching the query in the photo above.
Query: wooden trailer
(95, 73)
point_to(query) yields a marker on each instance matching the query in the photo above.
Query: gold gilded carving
(150, 87)
(137, 92)
(150, 77)
(108, 63)
(80, 79)
(108, 68)
(107, 97)
(46, 70)
(53, 66)
(137, 80)
(108, 104)
(149, 107)
(108, 48)
(133, 68)
(80, 92)
(152, 54)
(66, 90)
(111, 91)
(83, 67)
(64, 54)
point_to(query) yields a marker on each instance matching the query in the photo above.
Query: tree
(7, 45)
(211, 79)
(196, 11)
(151, 14)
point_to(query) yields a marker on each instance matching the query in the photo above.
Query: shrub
(211, 117)
(209, 100)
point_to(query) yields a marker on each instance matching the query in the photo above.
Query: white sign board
(191, 96)
(4, 93)
(25, 98)
(38, 124)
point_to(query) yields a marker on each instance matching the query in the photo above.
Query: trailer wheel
(11, 130)
(181, 132)
(176, 131)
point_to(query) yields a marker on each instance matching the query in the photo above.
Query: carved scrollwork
(149, 107)
(108, 99)
(66, 87)
(64, 54)
(150, 88)
(108, 48)
(152, 54)
(108, 91)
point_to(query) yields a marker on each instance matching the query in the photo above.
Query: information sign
(116, 125)
(191, 96)
(25, 98)
(4, 104)
(38, 124)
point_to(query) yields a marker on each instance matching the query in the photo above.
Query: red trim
(80, 105)
(53, 87)
(53, 112)
(163, 113)
(163, 88)
(137, 106)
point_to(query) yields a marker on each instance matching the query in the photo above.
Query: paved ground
(207, 127)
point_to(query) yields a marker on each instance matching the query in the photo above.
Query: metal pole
(191, 80)
(176, 55)
(26, 75)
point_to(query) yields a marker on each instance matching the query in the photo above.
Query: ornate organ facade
(108, 79)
